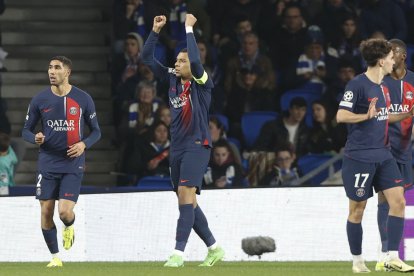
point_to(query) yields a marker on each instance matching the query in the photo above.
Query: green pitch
(190, 269)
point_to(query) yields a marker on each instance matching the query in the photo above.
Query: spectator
(346, 43)
(249, 56)
(125, 76)
(156, 150)
(218, 133)
(287, 44)
(209, 62)
(163, 114)
(282, 173)
(384, 16)
(8, 160)
(311, 65)
(289, 128)
(335, 90)
(130, 16)
(223, 171)
(246, 96)
(142, 111)
(332, 17)
(324, 136)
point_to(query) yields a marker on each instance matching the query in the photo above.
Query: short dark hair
(4, 141)
(298, 102)
(286, 146)
(374, 49)
(66, 61)
(399, 43)
(183, 50)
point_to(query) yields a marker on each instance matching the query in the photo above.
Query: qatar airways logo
(399, 108)
(382, 114)
(180, 101)
(61, 125)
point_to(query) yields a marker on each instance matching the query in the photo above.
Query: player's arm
(148, 50)
(92, 122)
(197, 69)
(32, 118)
(397, 117)
(347, 109)
(346, 116)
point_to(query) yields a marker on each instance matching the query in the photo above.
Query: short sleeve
(351, 95)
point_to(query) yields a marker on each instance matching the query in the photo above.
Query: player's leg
(47, 192)
(68, 196)
(176, 258)
(358, 177)
(382, 218)
(354, 232)
(390, 182)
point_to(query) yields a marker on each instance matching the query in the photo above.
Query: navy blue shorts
(406, 171)
(188, 167)
(50, 185)
(360, 178)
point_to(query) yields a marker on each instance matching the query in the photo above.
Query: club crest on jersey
(360, 192)
(73, 110)
(409, 95)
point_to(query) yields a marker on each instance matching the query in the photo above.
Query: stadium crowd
(289, 58)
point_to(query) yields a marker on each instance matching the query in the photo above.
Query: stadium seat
(252, 123)
(410, 56)
(308, 95)
(313, 87)
(155, 183)
(223, 120)
(235, 142)
(310, 162)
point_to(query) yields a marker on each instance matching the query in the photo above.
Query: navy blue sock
(201, 227)
(184, 225)
(354, 232)
(382, 218)
(51, 239)
(395, 227)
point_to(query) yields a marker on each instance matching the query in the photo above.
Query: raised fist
(190, 20)
(159, 22)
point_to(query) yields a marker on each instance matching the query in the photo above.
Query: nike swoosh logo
(397, 181)
(184, 180)
(47, 109)
(407, 185)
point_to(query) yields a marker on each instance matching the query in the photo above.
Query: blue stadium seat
(410, 56)
(308, 95)
(313, 87)
(252, 123)
(310, 162)
(234, 141)
(223, 120)
(155, 183)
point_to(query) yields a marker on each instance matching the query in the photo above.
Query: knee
(357, 213)
(398, 204)
(65, 213)
(47, 213)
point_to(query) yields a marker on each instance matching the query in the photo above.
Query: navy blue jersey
(367, 141)
(402, 100)
(63, 120)
(189, 103)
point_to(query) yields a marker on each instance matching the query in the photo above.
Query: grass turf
(190, 269)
